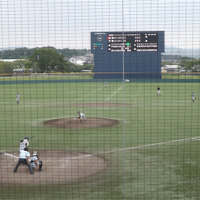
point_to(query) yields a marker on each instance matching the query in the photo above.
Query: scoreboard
(142, 53)
(132, 42)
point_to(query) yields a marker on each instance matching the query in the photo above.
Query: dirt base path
(59, 167)
(74, 123)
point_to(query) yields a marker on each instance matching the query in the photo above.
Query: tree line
(24, 53)
(50, 59)
(187, 63)
(40, 60)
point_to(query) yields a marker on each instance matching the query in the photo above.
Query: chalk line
(79, 157)
(154, 144)
(114, 93)
(122, 149)
(7, 154)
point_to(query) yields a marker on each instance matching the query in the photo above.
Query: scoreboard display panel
(141, 50)
(132, 42)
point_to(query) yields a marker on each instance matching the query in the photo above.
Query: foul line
(154, 144)
(79, 157)
(72, 158)
(123, 149)
(114, 93)
(7, 154)
(137, 147)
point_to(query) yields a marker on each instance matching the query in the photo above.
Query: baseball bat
(31, 137)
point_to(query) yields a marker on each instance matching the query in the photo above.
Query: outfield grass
(44, 76)
(182, 76)
(148, 168)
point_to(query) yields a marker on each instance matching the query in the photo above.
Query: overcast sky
(68, 23)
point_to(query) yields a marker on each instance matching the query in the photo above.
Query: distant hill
(195, 53)
(23, 52)
(9, 48)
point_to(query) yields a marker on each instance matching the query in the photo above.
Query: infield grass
(162, 170)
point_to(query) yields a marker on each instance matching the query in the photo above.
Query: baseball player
(23, 143)
(193, 96)
(81, 116)
(158, 90)
(35, 162)
(24, 156)
(17, 98)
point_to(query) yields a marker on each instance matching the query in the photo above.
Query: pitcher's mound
(74, 123)
(58, 167)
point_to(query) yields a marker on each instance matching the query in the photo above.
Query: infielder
(35, 162)
(193, 96)
(81, 116)
(24, 156)
(23, 143)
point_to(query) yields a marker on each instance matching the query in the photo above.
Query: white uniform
(35, 162)
(33, 159)
(158, 90)
(23, 143)
(23, 154)
(193, 96)
(82, 116)
(17, 97)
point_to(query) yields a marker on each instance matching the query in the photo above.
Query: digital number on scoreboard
(119, 42)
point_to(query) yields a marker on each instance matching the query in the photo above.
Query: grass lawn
(143, 163)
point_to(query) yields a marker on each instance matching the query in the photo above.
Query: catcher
(81, 116)
(35, 162)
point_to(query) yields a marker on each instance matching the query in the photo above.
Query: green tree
(6, 67)
(187, 63)
(47, 60)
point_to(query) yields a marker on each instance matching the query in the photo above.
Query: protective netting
(105, 96)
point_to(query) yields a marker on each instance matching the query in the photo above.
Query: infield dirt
(74, 123)
(59, 167)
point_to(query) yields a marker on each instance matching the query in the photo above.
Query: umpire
(24, 156)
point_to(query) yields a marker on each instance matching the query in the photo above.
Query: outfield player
(81, 116)
(193, 96)
(35, 162)
(24, 157)
(158, 90)
(17, 98)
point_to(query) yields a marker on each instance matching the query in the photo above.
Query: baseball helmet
(35, 153)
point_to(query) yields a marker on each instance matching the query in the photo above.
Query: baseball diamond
(59, 167)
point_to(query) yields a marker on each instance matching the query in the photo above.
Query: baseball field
(134, 143)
